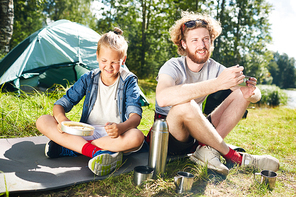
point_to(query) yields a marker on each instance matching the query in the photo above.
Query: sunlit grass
(265, 131)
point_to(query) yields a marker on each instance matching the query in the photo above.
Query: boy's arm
(132, 122)
(59, 114)
(114, 130)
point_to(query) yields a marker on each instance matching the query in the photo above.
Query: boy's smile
(110, 61)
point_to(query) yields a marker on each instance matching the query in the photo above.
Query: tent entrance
(64, 75)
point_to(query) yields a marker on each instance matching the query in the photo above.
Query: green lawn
(265, 131)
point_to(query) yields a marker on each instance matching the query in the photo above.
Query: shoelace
(103, 152)
(253, 161)
(215, 153)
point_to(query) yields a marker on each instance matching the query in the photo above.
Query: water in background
(291, 98)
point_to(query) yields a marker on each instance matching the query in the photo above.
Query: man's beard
(195, 58)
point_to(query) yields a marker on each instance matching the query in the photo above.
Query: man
(184, 83)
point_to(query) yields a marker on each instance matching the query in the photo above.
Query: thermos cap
(160, 125)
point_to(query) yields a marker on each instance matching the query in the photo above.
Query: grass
(265, 131)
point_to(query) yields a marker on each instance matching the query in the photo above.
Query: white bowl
(77, 128)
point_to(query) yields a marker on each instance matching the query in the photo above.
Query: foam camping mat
(24, 166)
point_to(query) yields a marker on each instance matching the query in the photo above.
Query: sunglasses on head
(192, 23)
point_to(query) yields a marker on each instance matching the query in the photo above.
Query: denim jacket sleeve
(131, 98)
(74, 94)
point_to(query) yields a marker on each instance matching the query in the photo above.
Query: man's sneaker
(206, 155)
(262, 162)
(54, 150)
(104, 162)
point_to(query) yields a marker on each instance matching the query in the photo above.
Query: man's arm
(250, 92)
(169, 94)
(256, 96)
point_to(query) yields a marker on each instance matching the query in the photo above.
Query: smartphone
(245, 81)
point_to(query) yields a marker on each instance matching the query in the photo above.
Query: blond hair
(177, 34)
(115, 41)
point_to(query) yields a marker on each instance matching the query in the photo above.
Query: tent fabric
(61, 43)
(56, 54)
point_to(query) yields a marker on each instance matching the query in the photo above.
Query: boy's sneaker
(54, 150)
(262, 162)
(206, 155)
(104, 162)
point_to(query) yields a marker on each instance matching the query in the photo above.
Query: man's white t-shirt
(178, 70)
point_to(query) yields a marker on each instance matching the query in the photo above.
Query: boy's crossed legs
(106, 152)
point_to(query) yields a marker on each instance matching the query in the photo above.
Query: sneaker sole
(104, 164)
(200, 162)
(46, 150)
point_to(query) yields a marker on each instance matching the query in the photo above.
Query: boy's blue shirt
(128, 94)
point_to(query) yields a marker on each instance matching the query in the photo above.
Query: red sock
(201, 144)
(234, 156)
(89, 149)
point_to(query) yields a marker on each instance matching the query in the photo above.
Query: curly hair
(177, 34)
(114, 40)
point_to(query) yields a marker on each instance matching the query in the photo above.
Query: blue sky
(283, 29)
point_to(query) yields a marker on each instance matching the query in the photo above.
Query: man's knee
(189, 110)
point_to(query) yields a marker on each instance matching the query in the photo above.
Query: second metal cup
(268, 177)
(142, 173)
(183, 181)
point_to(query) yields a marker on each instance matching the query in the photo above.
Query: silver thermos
(158, 147)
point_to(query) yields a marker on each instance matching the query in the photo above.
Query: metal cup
(183, 181)
(142, 173)
(268, 178)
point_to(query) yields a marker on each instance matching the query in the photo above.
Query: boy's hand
(112, 129)
(59, 127)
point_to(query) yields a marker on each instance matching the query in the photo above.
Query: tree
(6, 24)
(29, 17)
(245, 35)
(145, 24)
(282, 69)
(73, 10)
(32, 15)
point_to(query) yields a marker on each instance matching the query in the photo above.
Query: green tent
(56, 54)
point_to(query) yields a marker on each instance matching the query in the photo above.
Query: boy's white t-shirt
(105, 108)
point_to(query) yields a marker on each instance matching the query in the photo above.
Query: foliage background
(146, 23)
